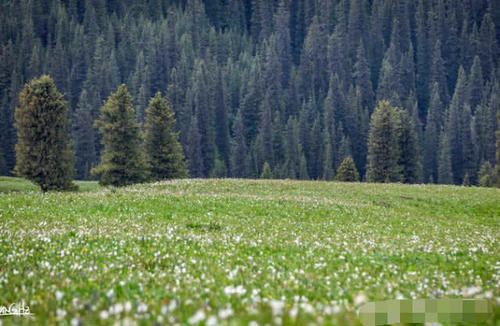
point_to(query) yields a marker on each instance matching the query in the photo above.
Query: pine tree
(303, 174)
(445, 175)
(83, 138)
(163, 150)
(43, 154)
(438, 74)
(3, 165)
(328, 172)
(485, 175)
(122, 161)
(362, 78)
(240, 156)
(193, 150)
(458, 129)
(475, 84)
(431, 136)
(409, 158)
(383, 146)
(222, 131)
(497, 165)
(347, 171)
(266, 171)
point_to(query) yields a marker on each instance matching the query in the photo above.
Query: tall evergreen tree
(475, 84)
(83, 138)
(409, 158)
(122, 161)
(240, 155)
(362, 78)
(445, 175)
(193, 150)
(458, 129)
(383, 146)
(43, 154)
(163, 150)
(431, 136)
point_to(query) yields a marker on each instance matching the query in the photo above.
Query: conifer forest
(407, 90)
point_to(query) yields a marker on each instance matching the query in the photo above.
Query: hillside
(289, 82)
(236, 251)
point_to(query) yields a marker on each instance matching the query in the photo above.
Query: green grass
(232, 250)
(10, 185)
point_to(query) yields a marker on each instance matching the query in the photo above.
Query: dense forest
(285, 86)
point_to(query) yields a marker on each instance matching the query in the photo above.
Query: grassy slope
(12, 185)
(314, 245)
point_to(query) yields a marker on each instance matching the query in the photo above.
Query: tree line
(291, 83)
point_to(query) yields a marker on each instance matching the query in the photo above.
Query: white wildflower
(360, 299)
(104, 315)
(197, 317)
(59, 295)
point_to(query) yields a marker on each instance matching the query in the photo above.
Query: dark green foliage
(445, 175)
(431, 136)
(409, 158)
(321, 63)
(497, 165)
(163, 151)
(383, 145)
(43, 154)
(240, 155)
(486, 175)
(347, 171)
(393, 154)
(122, 161)
(328, 171)
(266, 171)
(83, 138)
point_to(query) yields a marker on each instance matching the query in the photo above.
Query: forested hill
(289, 82)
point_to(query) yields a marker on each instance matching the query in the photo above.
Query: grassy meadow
(242, 252)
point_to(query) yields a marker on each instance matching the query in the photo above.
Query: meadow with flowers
(242, 252)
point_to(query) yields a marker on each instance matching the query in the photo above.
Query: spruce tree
(122, 161)
(485, 175)
(445, 175)
(266, 171)
(409, 158)
(328, 172)
(497, 165)
(163, 150)
(83, 138)
(347, 171)
(383, 147)
(43, 154)
(239, 164)
(303, 174)
(193, 150)
(431, 136)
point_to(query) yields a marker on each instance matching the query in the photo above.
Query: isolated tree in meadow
(383, 147)
(43, 153)
(163, 151)
(122, 161)
(347, 171)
